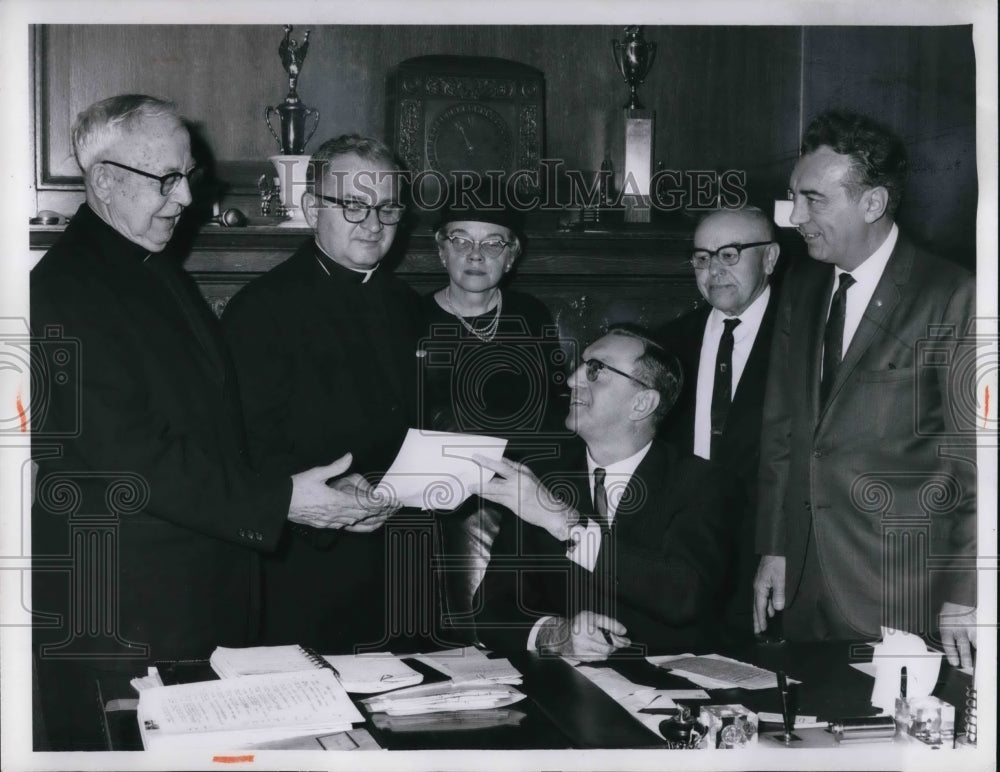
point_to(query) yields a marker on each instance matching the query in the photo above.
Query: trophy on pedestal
(634, 56)
(292, 164)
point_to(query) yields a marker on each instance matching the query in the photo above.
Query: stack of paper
(239, 713)
(470, 665)
(713, 671)
(443, 697)
(371, 673)
(254, 660)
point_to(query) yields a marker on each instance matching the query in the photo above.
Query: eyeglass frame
(594, 367)
(710, 253)
(163, 179)
(475, 244)
(354, 205)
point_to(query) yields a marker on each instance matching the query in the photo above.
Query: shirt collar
(870, 271)
(750, 319)
(620, 469)
(332, 268)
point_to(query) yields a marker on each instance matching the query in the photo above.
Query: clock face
(469, 138)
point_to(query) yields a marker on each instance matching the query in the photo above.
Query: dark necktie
(600, 497)
(833, 337)
(722, 390)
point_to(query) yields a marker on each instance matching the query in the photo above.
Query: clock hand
(468, 145)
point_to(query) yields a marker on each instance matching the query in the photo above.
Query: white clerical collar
(367, 274)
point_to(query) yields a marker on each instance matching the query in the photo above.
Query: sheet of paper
(469, 665)
(713, 671)
(433, 470)
(371, 673)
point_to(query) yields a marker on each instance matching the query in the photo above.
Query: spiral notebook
(255, 660)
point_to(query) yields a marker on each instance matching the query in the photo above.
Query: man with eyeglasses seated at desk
(325, 349)
(618, 541)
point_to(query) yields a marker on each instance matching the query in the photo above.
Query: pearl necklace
(487, 333)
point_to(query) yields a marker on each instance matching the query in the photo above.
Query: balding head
(733, 288)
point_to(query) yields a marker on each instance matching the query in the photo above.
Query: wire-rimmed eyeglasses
(729, 254)
(388, 213)
(167, 181)
(594, 367)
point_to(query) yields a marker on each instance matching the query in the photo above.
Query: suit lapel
(817, 298)
(755, 373)
(883, 302)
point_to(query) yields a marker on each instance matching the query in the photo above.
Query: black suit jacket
(327, 365)
(659, 568)
(142, 479)
(877, 476)
(739, 454)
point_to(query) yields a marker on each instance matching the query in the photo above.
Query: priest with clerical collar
(325, 348)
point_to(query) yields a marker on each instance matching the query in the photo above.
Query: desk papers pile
(371, 673)
(470, 665)
(443, 698)
(476, 683)
(239, 713)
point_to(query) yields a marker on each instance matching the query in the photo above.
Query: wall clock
(467, 114)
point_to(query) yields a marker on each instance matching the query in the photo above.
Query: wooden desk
(565, 710)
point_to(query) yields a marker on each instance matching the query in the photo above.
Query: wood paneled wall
(725, 97)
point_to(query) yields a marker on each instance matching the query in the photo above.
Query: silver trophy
(634, 57)
(292, 114)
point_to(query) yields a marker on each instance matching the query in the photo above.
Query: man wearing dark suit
(856, 474)
(618, 541)
(147, 521)
(325, 348)
(724, 348)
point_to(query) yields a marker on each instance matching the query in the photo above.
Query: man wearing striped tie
(618, 541)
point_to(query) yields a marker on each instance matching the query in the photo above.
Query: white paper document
(443, 698)
(372, 673)
(713, 671)
(434, 470)
(235, 713)
(470, 665)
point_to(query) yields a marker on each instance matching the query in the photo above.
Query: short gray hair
(104, 123)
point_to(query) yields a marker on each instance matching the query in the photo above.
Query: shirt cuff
(584, 545)
(533, 635)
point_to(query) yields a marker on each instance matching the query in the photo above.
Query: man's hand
(587, 637)
(768, 590)
(958, 633)
(349, 502)
(517, 488)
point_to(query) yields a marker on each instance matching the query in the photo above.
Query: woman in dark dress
(492, 364)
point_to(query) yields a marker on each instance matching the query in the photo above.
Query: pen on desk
(902, 682)
(786, 708)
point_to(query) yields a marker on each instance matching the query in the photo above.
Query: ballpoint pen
(787, 716)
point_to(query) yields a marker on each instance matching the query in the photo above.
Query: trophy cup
(291, 165)
(634, 57)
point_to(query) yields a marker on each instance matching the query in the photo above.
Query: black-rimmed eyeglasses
(729, 254)
(463, 245)
(594, 367)
(389, 213)
(167, 181)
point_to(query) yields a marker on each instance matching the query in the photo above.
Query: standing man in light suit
(853, 409)
(724, 348)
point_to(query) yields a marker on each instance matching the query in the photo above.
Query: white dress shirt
(744, 336)
(866, 277)
(585, 538)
